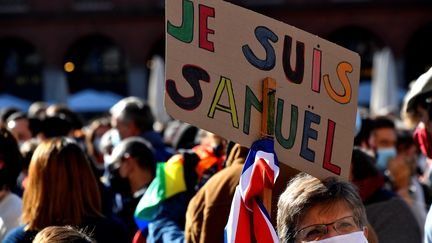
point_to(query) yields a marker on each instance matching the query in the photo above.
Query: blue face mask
(383, 156)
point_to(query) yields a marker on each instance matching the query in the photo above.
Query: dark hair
(138, 148)
(363, 165)
(10, 159)
(55, 127)
(62, 111)
(382, 122)
(35, 125)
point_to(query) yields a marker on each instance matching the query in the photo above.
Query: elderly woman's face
(325, 221)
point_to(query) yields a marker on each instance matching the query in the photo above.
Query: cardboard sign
(217, 55)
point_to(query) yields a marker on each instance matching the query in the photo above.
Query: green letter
(250, 100)
(286, 143)
(185, 31)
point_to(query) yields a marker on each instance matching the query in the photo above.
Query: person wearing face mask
(388, 214)
(329, 211)
(131, 168)
(132, 116)
(382, 141)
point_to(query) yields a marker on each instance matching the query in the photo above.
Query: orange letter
(342, 69)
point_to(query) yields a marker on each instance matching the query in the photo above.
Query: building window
(20, 69)
(96, 62)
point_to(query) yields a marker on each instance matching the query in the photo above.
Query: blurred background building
(59, 50)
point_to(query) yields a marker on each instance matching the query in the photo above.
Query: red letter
(204, 13)
(316, 70)
(328, 149)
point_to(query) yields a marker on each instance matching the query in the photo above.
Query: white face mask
(355, 237)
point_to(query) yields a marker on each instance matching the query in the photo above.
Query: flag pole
(267, 129)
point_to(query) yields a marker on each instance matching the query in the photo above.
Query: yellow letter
(224, 82)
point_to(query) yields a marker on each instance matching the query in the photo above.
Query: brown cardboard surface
(229, 29)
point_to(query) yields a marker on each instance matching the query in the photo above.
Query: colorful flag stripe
(260, 170)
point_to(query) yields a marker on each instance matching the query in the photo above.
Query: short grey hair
(304, 192)
(134, 109)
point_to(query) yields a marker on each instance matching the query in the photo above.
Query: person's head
(10, 160)
(400, 170)
(5, 113)
(383, 141)
(362, 165)
(214, 141)
(180, 135)
(94, 133)
(417, 102)
(109, 140)
(62, 234)
(383, 134)
(19, 124)
(37, 110)
(134, 160)
(72, 118)
(131, 116)
(365, 174)
(310, 210)
(61, 188)
(405, 144)
(55, 126)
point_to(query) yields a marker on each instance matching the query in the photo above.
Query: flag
(169, 181)
(260, 170)
(177, 175)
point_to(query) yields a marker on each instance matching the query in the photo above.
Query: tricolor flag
(261, 169)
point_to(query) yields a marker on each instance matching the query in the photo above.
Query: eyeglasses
(314, 232)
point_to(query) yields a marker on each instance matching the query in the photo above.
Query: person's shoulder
(227, 177)
(11, 201)
(18, 234)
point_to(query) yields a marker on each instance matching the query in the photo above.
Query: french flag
(260, 170)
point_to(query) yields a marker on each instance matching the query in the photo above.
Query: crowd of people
(117, 179)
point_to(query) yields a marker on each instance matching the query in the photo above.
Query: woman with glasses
(310, 210)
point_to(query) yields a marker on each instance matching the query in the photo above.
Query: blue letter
(263, 35)
(308, 132)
